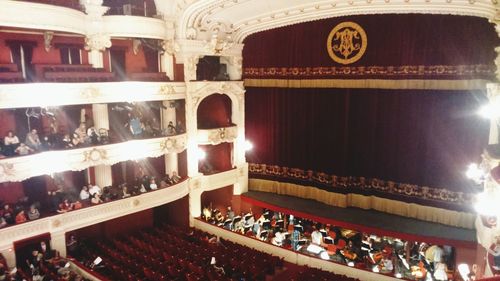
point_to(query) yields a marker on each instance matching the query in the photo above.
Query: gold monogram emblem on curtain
(346, 42)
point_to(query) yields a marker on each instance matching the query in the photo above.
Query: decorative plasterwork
(135, 27)
(35, 94)
(200, 90)
(89, 216)
(217, 136)
(95, 26)
(45, 163)
(250, 16)
(189, 48)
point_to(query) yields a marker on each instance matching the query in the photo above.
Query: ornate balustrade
(218, 135)
(57, 94)
(24, 167)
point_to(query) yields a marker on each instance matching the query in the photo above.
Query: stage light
(487, 203)
(475, 173)
(200, 154)
(248, 145)
(491, 110)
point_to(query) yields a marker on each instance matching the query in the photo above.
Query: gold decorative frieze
(95, 155)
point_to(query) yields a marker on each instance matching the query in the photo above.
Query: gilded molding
(363, 184)
(404, 71)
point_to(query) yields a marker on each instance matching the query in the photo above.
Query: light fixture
(476, 173)
(351, 264)
(491, 110)
(398, 275)
(324, 255)
(200, 154)
(375, 269)
(248, 145)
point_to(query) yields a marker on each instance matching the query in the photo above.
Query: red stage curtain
(420, 137)
(395, 40)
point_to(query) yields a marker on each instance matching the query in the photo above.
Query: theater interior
(230, 140)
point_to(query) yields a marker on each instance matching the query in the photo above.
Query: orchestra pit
(249, 140)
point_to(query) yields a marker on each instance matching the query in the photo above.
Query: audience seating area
(130, 7)
(10, 74)
(172, 253)
(72, 73)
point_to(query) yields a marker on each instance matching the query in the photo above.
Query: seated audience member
(136, 126)
(33, 140)
(175, 178)
(76, 141)
(21, 217)
(66, 142)
(81, 132)
(46, 253)
(23, 149)
(93, 136)
(84, 194)
(72, 246)
(11, 142)
(77, 205)
(125, 192)
(316, 236)
(33, 213)
(170, 129)
(65, 206)
(152, 184)
(96, 199)
(94, 189)
(8, 214)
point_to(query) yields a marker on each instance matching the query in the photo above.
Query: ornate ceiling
(237, 19)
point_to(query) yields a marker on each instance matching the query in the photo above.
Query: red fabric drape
(420, 137)
(410, 39)
(214, 111)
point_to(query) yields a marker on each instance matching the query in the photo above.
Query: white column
(191, 134)
(494, 97)
(234, 66)
(167, 64)
(58, 242)
(96, 58)
(171, 159)
(100, 116)
(195, 191)
(9, 254)
(103, 176)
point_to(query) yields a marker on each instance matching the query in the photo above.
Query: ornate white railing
(46, 163)
(57, 94)
(62, 223)
(218, 135)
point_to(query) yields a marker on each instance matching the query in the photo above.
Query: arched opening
(214, 111)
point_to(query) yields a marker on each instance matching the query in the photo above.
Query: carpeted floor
(430, 232)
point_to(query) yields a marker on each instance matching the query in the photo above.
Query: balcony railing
(73, 4)
(217, 136)
(45, 163)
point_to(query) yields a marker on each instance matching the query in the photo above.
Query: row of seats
(172, 253)
(169, 254)
(9, 73)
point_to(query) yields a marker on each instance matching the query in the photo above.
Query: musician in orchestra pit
(316, 236)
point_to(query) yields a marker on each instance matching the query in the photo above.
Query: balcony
(218, 135)
(36, 94)
(88, 216)
(24, 167)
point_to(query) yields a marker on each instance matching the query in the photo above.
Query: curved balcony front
(89, 216)
(46, 163)
(57, 18)
(217, 135)
(57, 94)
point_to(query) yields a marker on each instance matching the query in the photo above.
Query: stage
(369, 221)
